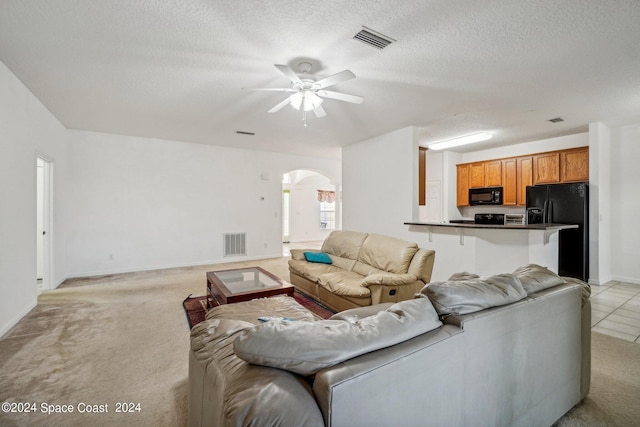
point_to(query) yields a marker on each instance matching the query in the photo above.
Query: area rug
(196, 307)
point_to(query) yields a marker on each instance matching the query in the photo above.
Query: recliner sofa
(508, 350)
(365, 269)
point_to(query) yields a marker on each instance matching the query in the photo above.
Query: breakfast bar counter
(487, 249)
(472, 225)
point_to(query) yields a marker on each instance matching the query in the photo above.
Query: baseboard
(169, 266)
(5, 328)
(632, 280)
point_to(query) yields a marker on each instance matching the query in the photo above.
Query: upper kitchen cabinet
(462, 185)
(524, 171)
(514, 174)
(476, 175)
(493, 173)
(509, 182)
(546, 168)
(574, 165)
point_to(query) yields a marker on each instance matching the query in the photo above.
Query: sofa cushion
(320, 257)
(345, 244)
(471, 295)
(311, 270)
(535, 278)
(387, 253)
(250, 311)
(345, 283)
(307, 347)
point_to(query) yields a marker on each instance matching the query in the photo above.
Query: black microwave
(485, 196)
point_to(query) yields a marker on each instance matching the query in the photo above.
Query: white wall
(141, 203)
(625, 203)
(27, 129)
(380, 183)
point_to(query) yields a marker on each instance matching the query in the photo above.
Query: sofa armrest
(362, 378)
(298, 254)
(422, 264)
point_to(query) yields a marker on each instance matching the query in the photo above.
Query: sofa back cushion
(471, 295)
(386, 253)
(344, 244)
(535, 278)
(307, 347)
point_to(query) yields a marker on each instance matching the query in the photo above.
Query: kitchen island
(487, 249)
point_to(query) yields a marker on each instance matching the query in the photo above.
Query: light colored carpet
(124, 338)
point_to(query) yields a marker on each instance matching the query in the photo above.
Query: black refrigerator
(564, 204)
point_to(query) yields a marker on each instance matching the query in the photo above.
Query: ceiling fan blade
(354, 99)
(336, 78)
(272, 89)
(280, 106)
(289, 73)
(319, 111)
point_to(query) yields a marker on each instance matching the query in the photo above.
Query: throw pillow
(471, 295)
(535, 278)
(307, 347)
(319, 257)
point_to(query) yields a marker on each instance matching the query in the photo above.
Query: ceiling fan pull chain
(304, 117)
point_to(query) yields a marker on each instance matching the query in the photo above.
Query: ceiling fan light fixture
(463, 140)
(305, 100)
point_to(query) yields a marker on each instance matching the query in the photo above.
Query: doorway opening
(311, 209)
(44, 173)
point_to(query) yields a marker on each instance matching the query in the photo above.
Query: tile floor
(615, 310)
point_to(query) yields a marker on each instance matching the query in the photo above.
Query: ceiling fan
(308, 94)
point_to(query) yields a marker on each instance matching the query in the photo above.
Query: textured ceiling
(176, 69)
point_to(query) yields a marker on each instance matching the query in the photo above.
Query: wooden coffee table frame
(218, 292)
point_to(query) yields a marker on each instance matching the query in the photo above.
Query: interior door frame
(46, 204)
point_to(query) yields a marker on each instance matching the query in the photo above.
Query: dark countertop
(470, 224)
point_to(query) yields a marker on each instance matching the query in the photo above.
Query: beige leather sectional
(507, 350)
(366, 269)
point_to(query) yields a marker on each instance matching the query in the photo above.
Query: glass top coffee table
(243, 284)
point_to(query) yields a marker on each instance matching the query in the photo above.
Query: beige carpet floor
(124, 339)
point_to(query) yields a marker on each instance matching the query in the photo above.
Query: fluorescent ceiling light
(463, 140)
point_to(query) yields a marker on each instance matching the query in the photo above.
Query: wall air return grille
(235, 244)
(373, 38)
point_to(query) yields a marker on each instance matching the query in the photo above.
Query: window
(327, 215)
(327, 200)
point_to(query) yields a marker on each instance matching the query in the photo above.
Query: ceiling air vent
(556, 120)
(373, 38)
(242, 132)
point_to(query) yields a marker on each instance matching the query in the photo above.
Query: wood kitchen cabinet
(509, 182)
(422, 176)
(493, 173)
(574, 165)
(514, 174)
(546, 168)
(476, 175)
(524, 171)
(462, 185)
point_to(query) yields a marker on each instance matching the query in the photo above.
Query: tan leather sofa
(462, 356)
(366, 269)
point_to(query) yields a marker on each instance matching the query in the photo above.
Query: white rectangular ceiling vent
(235, 244)
(373, 38)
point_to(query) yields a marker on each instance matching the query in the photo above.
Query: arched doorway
(311, 207)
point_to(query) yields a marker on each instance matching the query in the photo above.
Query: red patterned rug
(196, 307)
